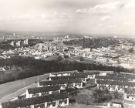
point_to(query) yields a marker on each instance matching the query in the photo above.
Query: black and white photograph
(67, 53)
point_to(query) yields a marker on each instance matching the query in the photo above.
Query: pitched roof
(115, 78)
(129, 91)
(129, 102)
(72, 77)
(43, 89)
(33, 101)
(63, 72)
(122, 75)
(120, 83)
(96, 71)
(57, 82)
(117, 101)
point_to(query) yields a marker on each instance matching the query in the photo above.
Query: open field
(15, 88)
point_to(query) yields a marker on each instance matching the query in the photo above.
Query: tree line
(27, 67)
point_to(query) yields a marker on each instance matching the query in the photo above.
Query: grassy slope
(10, 89)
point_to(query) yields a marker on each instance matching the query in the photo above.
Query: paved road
(15, 88)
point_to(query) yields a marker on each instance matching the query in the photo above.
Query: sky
(79, 16)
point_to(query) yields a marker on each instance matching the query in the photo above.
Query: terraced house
(62, 83)
(115, 82)
(49, 101)
(129, 98)
(42, 91)
(55, 91)
(65, 73)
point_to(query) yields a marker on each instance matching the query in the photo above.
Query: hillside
(24, 67)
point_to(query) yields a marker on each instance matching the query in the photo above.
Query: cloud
(96, 16)
(130, 4)
(82, 11)
(104, 8)
(104, 18)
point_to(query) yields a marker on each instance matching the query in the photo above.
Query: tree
(66, 56)
(81, 59)
(118, 95)
(131, 50)
(102, 95)
(60, 58)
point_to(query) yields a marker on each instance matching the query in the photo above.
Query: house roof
(122, 75)
(72, 77)
(117, 101)
(120, 83)
(60, 81)
(97, 71)
(92, 73)
(43, 89)
(84, 73)
(64, 72)
(34, 101)
(129, 91)
(115, 78)
(75, 75)
(129, 102)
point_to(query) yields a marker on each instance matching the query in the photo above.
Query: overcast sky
(88, 16)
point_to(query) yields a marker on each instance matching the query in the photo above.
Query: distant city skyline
(77, 16)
